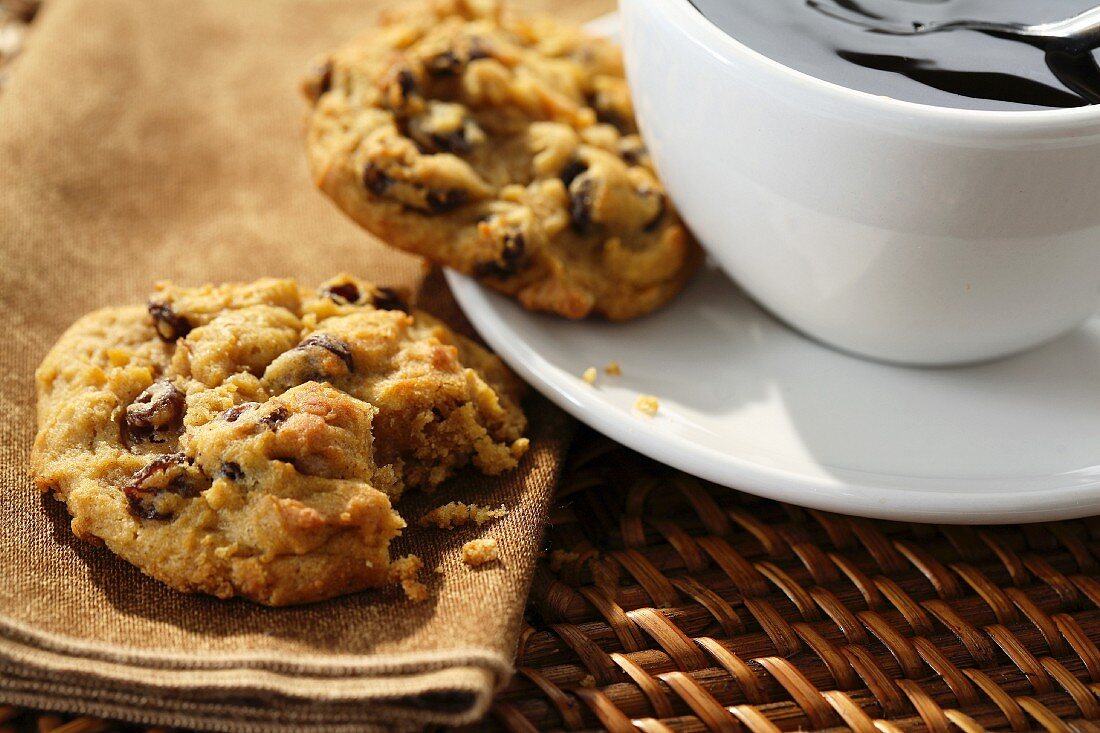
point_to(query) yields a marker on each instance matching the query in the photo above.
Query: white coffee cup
(900, 231)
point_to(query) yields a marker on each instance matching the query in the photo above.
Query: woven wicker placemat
(668, 604)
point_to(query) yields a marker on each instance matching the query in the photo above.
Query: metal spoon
(1078, 33)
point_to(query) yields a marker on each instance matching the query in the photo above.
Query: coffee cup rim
(685, 16)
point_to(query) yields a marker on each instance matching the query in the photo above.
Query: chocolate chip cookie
(251, 439)
(504, 148)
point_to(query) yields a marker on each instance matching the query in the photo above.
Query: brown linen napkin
(156, 139)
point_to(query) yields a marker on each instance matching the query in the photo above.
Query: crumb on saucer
(613, 369)
(589, 375)
(647, 404)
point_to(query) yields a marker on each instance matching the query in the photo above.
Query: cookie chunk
(480, 551)
(501, 147)
(250, 439)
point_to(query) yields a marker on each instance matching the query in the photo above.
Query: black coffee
(842, 41)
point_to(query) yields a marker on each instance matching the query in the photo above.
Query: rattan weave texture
(666, 604)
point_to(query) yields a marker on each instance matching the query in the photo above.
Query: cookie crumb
(455, 514)
(589, 375)
(404, 570)
(558, 559)
(647, 404)
(415, 591)
(613, 369)
(480, 551)
(588, 681)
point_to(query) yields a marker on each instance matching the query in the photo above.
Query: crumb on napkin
(456, 514)
(480, 551)
(404, 571)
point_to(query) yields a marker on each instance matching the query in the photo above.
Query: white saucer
(747, 403)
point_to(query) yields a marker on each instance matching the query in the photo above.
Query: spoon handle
(1079, 73)
(1076, 35)
(1082, 30)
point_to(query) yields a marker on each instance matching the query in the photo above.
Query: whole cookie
(250, 439)
(503, 148)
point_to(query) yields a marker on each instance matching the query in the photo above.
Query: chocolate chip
(580, 207)
(509, 262)
(332, 345)
(632, 153)
(451, 142)
(325, 78)
(611, 117)
(443, 64)
(275, 418)
(430, 140)
(449, 63)
(437, 201)
(231, 471)
(376, 180)
(169, 324)
(571, 170)
(159, 408)
(142, 498)
(388, 299)
(345, 292)
(319, 81)
(407, 82)
(610, 113)
(236, 411)
(440, 201)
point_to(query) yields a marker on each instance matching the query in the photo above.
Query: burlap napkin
(151, 139)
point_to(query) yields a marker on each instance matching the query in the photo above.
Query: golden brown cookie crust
(249, 439)
(505, 148)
